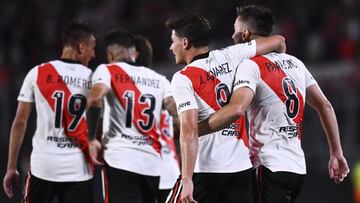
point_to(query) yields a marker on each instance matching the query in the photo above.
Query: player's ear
(80, 47)
(186, 43)
(109, 56)
(246, 35)
(137, 53)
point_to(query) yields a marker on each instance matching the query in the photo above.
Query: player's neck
(69, 53)
(194, 52)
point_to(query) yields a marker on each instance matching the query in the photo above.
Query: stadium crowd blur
(324, 34)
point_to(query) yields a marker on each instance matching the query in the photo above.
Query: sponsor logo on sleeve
(184, 104)
(240, 82)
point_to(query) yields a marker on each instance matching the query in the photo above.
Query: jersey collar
(200, 56)
(66, 60)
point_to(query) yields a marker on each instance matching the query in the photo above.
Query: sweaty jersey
(59, 90)
(276, 112)
(170, 170)
(136, 97)
(206, 84)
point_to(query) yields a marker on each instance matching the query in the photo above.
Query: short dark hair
(119, 37)
(75, 32)
(143, 46)
(194, 27)
(259, 18)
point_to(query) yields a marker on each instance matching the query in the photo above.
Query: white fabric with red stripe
(132, 135)
(206, 85)
(56, 156)
(276, 112)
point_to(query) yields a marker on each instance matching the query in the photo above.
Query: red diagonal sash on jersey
(204, 84)
(47, 89)
(120, 88)
(274, 79)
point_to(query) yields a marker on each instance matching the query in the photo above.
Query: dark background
(325, 35)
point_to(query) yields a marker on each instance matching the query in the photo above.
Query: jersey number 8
(292, 101)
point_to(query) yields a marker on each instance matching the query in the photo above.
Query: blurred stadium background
(324, 34)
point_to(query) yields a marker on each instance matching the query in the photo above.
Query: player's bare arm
(222, 118)
(189, 149)
(265, 45)
(338, 167)
(94, 105)
(17, 133)
(170, 105)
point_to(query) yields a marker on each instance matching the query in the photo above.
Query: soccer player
(60, 164)
(132, 148)
(273, 88)
(170, 170)
(220, 160)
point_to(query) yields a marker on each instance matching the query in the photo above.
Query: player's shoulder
(102, 66)
(178, 76)
(71, 65)
(249, 63)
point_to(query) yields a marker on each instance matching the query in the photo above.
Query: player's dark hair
(119, 37)
(194, 27)
(143, 46)
(75, 32)
(259, 19)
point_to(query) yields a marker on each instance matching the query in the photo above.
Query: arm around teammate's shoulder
(239, 102)
(265, 45)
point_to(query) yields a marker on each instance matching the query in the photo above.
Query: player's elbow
(238, 111)
(19, 124)
(327, 107)
(281, 44)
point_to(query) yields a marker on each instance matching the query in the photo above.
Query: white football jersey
(206, 84)
(170, 170)
(60, 144)
(276, 112)
(136, 98)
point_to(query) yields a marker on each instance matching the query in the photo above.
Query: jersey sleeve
(247, 75)
(309, 79)
(242, 51)
(102, 75)
(27, 88)
(183, 93)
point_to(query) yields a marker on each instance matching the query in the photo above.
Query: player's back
(59, 90)
(276, 112)
(206, 84)
(136, 98)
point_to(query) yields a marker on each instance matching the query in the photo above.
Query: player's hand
(95, 150)
(338, 167)
(11, 181)
(187, 191)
